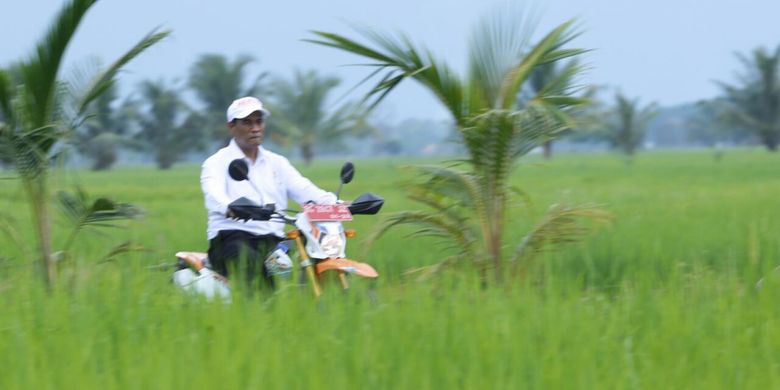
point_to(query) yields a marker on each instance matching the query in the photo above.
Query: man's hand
(245, 209)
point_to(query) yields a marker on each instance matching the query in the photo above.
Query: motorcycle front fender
(348, 266)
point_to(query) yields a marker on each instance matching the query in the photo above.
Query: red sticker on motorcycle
(327, 212)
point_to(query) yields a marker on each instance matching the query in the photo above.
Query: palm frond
(563, 101)
(343, 43)
(547, 50)
(555, 83)
(76, 81)
(426, 272)
(430, 224)
(496, 139)
(30, 150)
(496, 45)
(448, 207)
(550, 118)
(8, 226)
(39, 73)
(523, 195)
(462, 187)
(82, 212)
(121, 248)
(7, 93)
(400, 60)
(106, 79)
(445, 207)
(561, 224)
(452, 192)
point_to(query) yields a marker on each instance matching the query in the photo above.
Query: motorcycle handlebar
(245, 209)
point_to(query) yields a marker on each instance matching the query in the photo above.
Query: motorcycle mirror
(347, 172)
(366, 203)
(238, 169)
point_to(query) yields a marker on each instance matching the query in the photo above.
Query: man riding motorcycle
(238, 245)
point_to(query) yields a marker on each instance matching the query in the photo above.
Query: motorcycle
(317, 233)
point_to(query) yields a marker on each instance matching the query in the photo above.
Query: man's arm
(212, 182)
(302, 190)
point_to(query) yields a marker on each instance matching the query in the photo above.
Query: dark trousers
(244, 252)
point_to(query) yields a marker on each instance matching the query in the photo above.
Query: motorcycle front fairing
(324, 239)
(326, 244)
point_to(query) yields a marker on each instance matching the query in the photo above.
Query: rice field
(665, 296)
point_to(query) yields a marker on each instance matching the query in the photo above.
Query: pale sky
(667, 51)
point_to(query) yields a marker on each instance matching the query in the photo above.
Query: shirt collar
(236, 152)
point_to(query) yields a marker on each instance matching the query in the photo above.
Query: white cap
(241, 108)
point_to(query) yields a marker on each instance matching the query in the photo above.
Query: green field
(663, 297)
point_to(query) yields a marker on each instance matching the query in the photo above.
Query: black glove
(245, 209)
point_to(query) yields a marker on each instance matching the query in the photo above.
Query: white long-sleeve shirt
(272, 175)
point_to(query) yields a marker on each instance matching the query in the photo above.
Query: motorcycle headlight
(332, 244)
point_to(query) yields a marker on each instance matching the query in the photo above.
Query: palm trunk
(496, 231)
(771, 145)
(37, 193)
(165, 159)
(495, 243)
(547, 149)
(492, 232)
(307, 151)
(770, 139)
(104, 159)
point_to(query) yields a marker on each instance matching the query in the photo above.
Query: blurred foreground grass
(664, 297)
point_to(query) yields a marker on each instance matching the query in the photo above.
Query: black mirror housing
(366, 204)
(347, 172)
(238, 170)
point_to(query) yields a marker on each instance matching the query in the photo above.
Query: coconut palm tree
(302, 115)
(168, 127)
(469, 202)
(217, 82)
(35, 121)
(754, 101)
(104, 131)
(711, 123)
(628, 122)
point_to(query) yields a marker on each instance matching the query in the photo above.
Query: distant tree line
(156, 120)
(747, 111)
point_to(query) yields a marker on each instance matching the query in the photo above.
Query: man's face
(248, 131)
